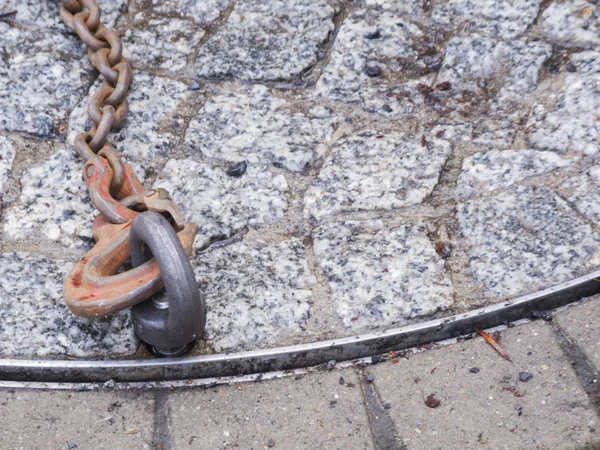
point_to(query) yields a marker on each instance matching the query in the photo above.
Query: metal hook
(93, 288)
(171, 321)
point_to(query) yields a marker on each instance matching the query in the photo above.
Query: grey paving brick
(491, 408)
(315, 412)
(581, 323)
(41, 420)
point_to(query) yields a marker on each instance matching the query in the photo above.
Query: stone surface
(257, 294)
(315, 412)
(152, 123)
(371, 171)
(525, 239)
(505, 19)
(221, 204)
(266, 40)
(36, 419)
(203, 12)
(45, 13)
(380, 277)
(254, 125)
(488, 133)
(580, 322)
(490, 408)
(42, 76)
(36, 322)
(372, 56)
(7, 155)
(54, 203)
(162, 43)
(515, 64)
(572, 123)
(494, 170)
(582, 192)
(572, 23)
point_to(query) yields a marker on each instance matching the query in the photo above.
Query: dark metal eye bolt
(170, 321)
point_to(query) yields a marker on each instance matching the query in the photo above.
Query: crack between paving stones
(161, 438)
(587, 374)
(383, 429)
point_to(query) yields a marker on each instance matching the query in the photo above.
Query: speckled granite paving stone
(220, 204)
(36, 322)
(369, 171)
(373, 54)
(7, 155)
(572, 23)
(381, 277)
(42, 77)
(162, 43)
(410, 8)
(583, 192)
(257, 294)
(267, 40)
(153, 118)
(494, 170)
(54, 203)
(256, 126)
(469, 59)
(572, 124)
(525, 239)
(203, 12)
(45, 13)
(505, 19)
(492, 133)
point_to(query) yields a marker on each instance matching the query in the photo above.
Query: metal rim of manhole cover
(304, 355)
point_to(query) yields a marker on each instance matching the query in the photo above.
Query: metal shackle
(171, 321)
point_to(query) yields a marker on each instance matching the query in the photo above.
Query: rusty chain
(94, 288)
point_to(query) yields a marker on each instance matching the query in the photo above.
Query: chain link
(108, 107)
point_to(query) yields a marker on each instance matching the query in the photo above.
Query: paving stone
(203, 12)
(373, 54)
(495, 18)
(265, 40)
(371, 171)
(7, 155)
(571, 124)
(470, 59)
(221, 204)
(490, 408)
(412, 8)
(256, 126)
(572, 23)
(380, 277)
(488, 133)
(162, 43)
(494, 170)
(75, 420)
(525, 239)
(36, 322)
(42, 77)
(54, 203)
(582, 192)
(152, 122)
(257, 294)
(316, 412)
(45, 14)
(580, 322)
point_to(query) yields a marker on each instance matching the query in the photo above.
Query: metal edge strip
(303, 355)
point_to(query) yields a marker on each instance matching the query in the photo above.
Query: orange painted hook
(93, 288)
